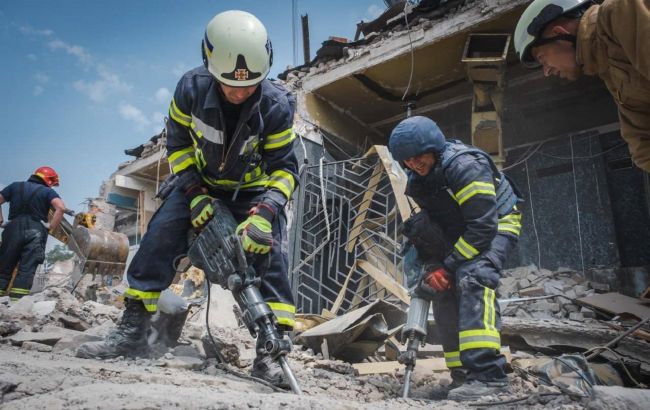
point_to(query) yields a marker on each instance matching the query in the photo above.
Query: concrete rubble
(40, 333)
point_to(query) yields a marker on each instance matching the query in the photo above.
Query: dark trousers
(23, 245)
(468, 317)
(152, 270)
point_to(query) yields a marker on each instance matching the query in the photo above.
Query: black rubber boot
(268, 369)
(265, 368)
(475, 390)
(129, 338)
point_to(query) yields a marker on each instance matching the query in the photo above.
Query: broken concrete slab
(619, 398)
(69, 343)
(50, 335)
(617, 304)
(555, 336)
(43, 308)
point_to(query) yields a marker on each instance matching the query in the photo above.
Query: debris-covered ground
(40, 333)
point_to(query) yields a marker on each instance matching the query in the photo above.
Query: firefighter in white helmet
(230, 129)
(569, 38)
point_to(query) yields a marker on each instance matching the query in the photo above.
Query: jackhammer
(424, 250)
(217, 250)
(414, 334)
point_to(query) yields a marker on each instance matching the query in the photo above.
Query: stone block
(523, 283)
(580, 290)
(554, 287)
(600, 287)
(39, 347)
(576, 316)
(69, 344)
(587, 313)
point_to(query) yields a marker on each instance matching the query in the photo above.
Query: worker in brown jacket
(569, 38)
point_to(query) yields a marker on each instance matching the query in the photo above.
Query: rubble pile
(561, 288)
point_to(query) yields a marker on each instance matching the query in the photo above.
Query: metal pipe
(615, 341)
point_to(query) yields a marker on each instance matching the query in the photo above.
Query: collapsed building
(586, 216)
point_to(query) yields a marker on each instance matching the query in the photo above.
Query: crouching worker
(461, 190)
(230, 130)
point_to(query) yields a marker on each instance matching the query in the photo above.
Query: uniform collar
(586, 42)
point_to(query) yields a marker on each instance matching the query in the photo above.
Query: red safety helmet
(48, 175)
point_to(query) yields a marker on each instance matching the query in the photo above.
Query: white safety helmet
(533, 21)
(236, 49)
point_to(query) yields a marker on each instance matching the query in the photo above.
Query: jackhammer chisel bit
(218, 252)
(413, 335)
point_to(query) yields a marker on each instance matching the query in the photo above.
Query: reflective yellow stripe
(282, 181)
(2, 292)
(465, 249)
(479, 338)
(510, 223)
(181, 159)
(452, 359)
(284, 313)
(177, 115)
(19, 291)
(149, 299)
(251, 176)
(489, 314)
(474, 188)
(282, 306)
(280, 139)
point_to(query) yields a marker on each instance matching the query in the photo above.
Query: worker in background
(25, 235)
(230, 130)
(462, 191)
(569, 38)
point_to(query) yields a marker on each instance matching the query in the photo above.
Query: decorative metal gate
(347, 246)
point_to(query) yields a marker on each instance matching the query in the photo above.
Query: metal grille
(361, 210)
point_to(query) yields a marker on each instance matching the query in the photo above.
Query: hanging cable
(532, 212)
(575, 191)
(408, 30)
(525, 157)
(327, 223)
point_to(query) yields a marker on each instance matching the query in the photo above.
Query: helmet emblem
(241, 71)
(241, 74)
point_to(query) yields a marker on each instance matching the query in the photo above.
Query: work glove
(257, 230)
(201, 210)
(437, 279)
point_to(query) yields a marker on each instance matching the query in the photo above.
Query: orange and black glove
(437, 279)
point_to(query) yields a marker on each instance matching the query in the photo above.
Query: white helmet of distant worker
(236, 49)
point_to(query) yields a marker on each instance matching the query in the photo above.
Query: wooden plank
(377, 257)
(385, 280)
(397, 182)
(645, 296)
(356, 300)
(341, 296)
(436, 364)
(363, 207)
(616, 304)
